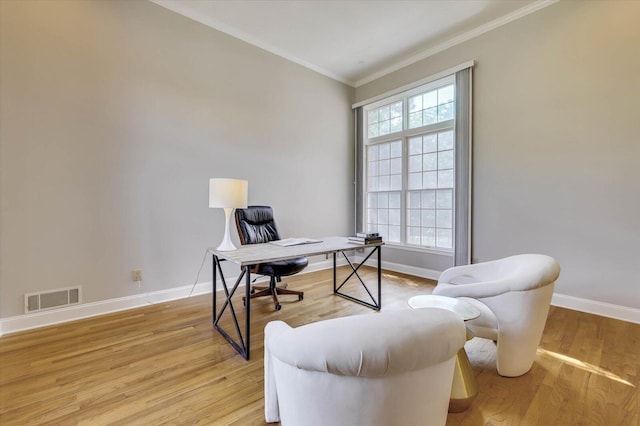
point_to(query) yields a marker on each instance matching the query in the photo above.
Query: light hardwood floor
(164, 364)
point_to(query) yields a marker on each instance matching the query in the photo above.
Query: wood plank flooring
(164, 364)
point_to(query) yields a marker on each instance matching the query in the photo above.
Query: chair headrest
(256, 225)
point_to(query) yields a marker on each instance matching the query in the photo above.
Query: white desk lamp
(227, 194)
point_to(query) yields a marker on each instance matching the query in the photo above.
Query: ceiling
(354, 41)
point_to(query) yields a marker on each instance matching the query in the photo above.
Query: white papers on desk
(294, 242)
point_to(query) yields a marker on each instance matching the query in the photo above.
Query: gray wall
(114, 115)
(556, 152)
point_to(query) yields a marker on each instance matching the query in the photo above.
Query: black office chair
(256, 225)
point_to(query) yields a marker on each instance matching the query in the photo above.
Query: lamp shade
(228, 193)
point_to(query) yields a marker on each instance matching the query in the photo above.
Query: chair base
(273, 291)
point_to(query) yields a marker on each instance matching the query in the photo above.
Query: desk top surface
(261, 253)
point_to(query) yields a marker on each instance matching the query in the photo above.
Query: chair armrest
(475, 290)
(522, 272)
(455, 271)
(271, 409)
(480, 271)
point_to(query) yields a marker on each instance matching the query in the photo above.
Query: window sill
(418, 249)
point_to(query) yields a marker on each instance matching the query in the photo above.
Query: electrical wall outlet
(136, 275)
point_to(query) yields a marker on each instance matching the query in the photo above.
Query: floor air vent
(34, 302)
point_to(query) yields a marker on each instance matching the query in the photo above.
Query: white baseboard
(87, 310)
(404, 269)
(92, 309)
(609, 310)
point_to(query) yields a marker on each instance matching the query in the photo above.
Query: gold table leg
(465, 386)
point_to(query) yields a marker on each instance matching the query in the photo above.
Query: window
(384, 180)
(431, 107)
(430, 190)
(409, 167)
(385, 120)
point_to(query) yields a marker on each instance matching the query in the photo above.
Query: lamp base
(226, 247)
(226, 244)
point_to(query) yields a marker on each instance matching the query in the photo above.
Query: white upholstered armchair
(513, 295)
(390, 368)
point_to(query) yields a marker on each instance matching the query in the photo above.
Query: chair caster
(278, 307)
(253, 291)
(300, 297)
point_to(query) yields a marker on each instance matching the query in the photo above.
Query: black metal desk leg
(374, 304)
(241, 343)
(334, 271)
(215, 286)
(247, 308)
(380, 276)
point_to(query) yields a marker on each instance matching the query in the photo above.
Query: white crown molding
(184, 10)
(517, 14)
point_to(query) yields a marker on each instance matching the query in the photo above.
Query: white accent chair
(513, 295)
(389, 368)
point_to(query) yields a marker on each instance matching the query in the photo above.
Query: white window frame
(404, 135)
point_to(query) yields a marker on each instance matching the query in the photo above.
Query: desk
(249, 255)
